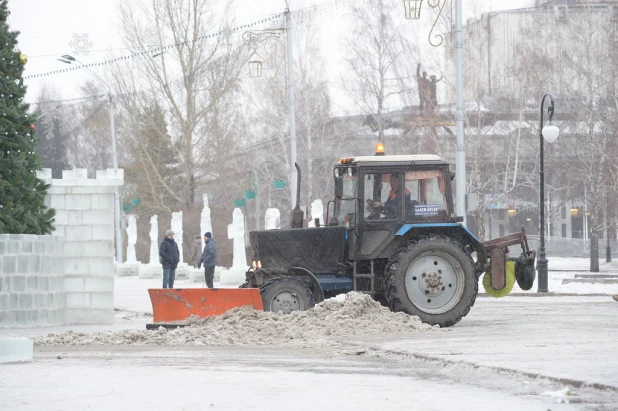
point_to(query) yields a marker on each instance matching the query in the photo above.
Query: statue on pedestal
(132, 239)
(205, 222)
(317, 211)
(427, 91)
(272, 219)
(236, 232)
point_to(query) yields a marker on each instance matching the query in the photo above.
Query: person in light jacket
(209, 259)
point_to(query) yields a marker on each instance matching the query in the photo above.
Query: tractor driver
(393, 203)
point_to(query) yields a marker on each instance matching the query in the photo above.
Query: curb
(551, 295)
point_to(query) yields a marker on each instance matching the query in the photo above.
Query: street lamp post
(255, 67)
(608, 247)
(549, 133)
(460, 156)
(256, 182)
(112, 131)
(293, 183)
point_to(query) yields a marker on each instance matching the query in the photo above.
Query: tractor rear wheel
(433, 278)
(286, 294)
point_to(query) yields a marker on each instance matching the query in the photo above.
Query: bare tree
(52, 133)
(316, 152)
(592, 147)
(190, 80)
(89, 132)
(380, 57)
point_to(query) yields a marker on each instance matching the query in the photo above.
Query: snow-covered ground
(241, 380)
(515, 353)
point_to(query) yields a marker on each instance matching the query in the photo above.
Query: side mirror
(338, 187)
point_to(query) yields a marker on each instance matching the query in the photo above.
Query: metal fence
(572, 247)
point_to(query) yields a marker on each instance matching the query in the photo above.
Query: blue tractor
(391, 232)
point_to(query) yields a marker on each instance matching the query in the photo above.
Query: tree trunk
(480, 222)
(594, 247)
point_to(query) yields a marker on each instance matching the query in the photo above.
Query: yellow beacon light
(380, 149)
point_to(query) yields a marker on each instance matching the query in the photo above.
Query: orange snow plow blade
(171, 304)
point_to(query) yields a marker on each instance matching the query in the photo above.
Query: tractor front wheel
(432, 278)
(286, 294)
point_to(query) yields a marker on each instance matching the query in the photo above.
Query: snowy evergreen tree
(22, 194)
(155, 168)
(52, 145)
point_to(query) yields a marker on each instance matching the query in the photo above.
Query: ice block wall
(66, 277)
(85, 218)
(31, 280)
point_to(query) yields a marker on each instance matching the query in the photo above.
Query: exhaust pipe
(297, 213)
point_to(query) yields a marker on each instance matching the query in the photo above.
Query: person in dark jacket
(209, 259)
(393, 203)
(170, 257)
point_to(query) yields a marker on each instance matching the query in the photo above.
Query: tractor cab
(375, 196)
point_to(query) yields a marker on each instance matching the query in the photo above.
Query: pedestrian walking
(169, 258)
(209, 259)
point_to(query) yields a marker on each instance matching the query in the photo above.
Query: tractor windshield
(428, 195)
(423, 196)
(345, 203)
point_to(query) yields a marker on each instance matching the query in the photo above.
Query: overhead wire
(301, 15)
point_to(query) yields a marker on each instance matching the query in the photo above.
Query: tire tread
(394, 297)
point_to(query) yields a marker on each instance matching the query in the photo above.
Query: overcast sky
(48, 26)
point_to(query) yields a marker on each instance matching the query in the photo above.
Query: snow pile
(559, 395)
(126, 315)
(358, 314)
